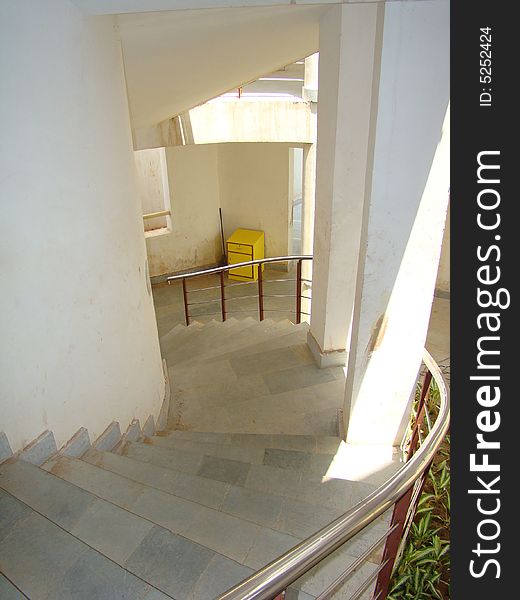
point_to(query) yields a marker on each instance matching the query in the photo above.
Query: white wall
(79, 343)
(194, 240)
(153, 187)
(254, 191)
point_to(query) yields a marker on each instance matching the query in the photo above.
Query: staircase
(250, 465)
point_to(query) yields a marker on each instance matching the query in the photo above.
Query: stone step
(233, 537)
(247, 334)
(196, 344)
(180, 331)
(266, 330)
(191, 335)
(45, 561)
(287, 515)
(301, 399)
(300, 484)
(262, 508)
(198, 351)
(304, 443)
(257, 453)
(296, 334)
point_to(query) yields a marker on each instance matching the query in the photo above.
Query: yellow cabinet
(242, 246)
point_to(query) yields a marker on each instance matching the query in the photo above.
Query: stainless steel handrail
(275, 577)
(259, 261)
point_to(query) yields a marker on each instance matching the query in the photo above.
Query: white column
(79, 340)
(403, 232)
(350, 37)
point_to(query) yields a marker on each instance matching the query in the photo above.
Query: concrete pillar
(309, 93)
(350, 39)
(403, 228)
(310, 81)
(79, 341)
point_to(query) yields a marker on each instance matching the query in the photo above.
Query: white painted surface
(349, 37)
(153, 188)
(79, 342)
(443, 274)
(180, 59)
(194, 240)
(103, 7)
(232, 121)
(408, 205)
(250, 182)
(254, 191)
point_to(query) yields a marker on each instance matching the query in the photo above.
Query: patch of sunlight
(369, 463)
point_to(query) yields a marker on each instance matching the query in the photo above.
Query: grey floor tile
(320, 463)
(154, 594)
(36, 553)
(224, 469)
(283, 482)
(169, 562)
(8, 591)
(106, 485)
(303, 443)
(169, 458)
(294, 594)
(267, 546)
(191, 487)
(11, 511)
(170, 512)
(259, 507)
(302, 519)
(287, 459)
(220, 575)
(225, 534)
(60, 501)
(265, 362)
(94, 576)
(296, 378)
(112, 531)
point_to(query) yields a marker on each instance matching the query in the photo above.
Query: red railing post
(414, 438)
(222, 296)
(299, 291)
(185, 298)
(260, 295)
(393, 542)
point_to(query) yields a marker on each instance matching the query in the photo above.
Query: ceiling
(176, 60)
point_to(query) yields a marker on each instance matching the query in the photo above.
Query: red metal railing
(260, 283)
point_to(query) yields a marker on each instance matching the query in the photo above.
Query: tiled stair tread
(294, 373)
(172, 563)
(288, 515)
(304, 485)
(199, 348)
(253, 453)
(179, 332)
(296, 335)
(45, 561)
(230, 536)
(194, 331)
(8, 591)
(305, 443)
(260, 332)
(257, 334)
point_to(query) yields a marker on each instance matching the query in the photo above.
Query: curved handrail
(275, 577)
(258, 261)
